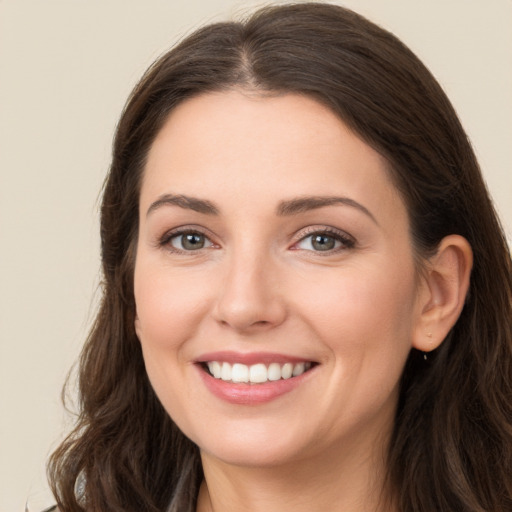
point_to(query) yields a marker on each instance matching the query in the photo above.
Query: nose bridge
(249, 295)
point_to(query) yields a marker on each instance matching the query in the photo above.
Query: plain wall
(66, 68)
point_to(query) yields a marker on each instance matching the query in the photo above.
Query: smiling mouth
(257, 373)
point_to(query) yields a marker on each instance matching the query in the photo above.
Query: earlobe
(444, 287)
(136, 324)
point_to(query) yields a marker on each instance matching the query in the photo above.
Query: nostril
(247, 325)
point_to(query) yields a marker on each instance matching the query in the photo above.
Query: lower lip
(251, 394)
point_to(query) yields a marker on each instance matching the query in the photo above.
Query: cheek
(365, 318)
(170, 305)
(366, 322)
(167, 304)
(165, 312)
(360, 299)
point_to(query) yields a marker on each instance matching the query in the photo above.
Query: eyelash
(344, 240)
(166, 239)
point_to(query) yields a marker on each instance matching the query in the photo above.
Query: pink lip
(250, 394)
(250, 358)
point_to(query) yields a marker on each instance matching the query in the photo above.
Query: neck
(337, 482)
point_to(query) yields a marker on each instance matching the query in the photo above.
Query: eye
(324, 241)
(189, 241)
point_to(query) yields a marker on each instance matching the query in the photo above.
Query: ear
(442, 292)
(136, 324)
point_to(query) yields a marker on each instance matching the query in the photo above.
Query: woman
(307, 293)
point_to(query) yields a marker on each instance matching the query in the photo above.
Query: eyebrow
(304, 204)
(186, 202)
(285, 208)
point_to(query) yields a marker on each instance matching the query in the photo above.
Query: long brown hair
(452, 443)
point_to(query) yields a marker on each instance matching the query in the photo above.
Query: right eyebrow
(186, 202)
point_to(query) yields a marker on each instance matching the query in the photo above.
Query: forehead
(218, 145)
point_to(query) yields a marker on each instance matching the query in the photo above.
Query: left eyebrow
(304, 204)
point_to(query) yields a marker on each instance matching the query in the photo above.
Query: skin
(260, 285)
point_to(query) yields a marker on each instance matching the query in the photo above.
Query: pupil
(323, 242)
(193, 241)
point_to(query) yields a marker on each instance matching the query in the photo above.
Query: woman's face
(273, 247)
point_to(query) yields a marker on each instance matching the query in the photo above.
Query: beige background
(66, 68)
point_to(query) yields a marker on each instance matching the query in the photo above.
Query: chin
(254, 456)
(259, 446)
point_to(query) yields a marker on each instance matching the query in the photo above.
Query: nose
(250, 297)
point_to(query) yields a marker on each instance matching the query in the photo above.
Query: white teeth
(216, 370)
(287, 370)
(256, 373)
(225, 372)
(298, 369)
(274, 371)
(240, 373)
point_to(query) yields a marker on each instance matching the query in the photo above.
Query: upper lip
(250, 358)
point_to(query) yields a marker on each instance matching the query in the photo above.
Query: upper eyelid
(318, 229)
(188, 228)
